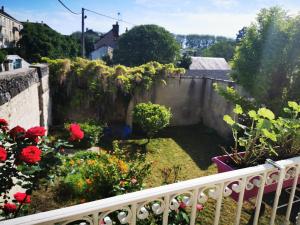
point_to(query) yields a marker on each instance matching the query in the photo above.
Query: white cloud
(225, 3)
(227, 24)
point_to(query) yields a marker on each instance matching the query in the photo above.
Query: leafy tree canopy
(90, 38)
(39, 40)
(146, 43)
(224, 49)
(266, 61)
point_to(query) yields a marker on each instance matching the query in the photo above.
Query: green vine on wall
(102, 78)
(84, 83)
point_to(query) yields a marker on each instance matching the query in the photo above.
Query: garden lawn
(189, 148)
(165, 153)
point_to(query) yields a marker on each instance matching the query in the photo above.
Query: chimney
(116, 30)
(2, 9)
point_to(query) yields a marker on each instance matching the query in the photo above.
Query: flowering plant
(27, 160)
(95, 175)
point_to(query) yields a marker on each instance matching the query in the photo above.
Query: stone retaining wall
(25, 98)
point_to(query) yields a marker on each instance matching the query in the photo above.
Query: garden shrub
(27, 160)
(151, 117)
(92, 134)
(91, 176)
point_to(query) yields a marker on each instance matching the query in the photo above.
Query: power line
(68, 8)
(109, 17)
(92, 11)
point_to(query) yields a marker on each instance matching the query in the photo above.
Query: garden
(76, 164)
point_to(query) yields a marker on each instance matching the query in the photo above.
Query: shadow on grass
(200, 142)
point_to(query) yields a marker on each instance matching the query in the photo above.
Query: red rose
(35, 132)
(22, 197)
(9, 208)
(3, 122)
(182, 205)
(31, 154)
(17, 132)
(199, 207)
(3, 154)
(76, 132)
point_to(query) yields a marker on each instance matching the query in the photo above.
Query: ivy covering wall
(84, 88)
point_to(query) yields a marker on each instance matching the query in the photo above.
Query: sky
(216, 17)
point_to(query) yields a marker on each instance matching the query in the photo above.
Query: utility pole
(82, 33)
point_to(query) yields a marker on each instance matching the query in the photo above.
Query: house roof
(209, 63)
(2, 12)
(108, 39)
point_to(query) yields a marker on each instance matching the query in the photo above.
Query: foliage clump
(151, 117)
(146, 43)
(91, 175)
(266, 136)
(99, 77)
(39, 40)
(266, 61)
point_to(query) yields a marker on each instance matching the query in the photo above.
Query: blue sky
(218, 17)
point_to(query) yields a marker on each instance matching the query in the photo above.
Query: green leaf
(294, 106)
(228, 120)
(238, 110)
(252, 114)
(270, 135)
(266, 113)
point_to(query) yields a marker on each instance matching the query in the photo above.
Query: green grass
(192, 148)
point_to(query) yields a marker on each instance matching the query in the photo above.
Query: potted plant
(259, 135)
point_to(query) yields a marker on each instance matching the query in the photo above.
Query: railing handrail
(143, 195)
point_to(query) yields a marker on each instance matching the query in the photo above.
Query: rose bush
(29, 160)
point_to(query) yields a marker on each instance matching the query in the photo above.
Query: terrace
(133, 208)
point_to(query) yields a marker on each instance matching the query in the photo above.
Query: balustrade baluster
(241, 200)
(292, 195)
(219, 204)
(259, 198)
(194, 206)
(277, 194)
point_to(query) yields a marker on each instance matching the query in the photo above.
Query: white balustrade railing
(133, 207)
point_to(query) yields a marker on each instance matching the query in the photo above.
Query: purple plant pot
(223, 165)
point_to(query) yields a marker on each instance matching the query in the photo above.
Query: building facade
(106, 44)
(9, 29)
(209, 67)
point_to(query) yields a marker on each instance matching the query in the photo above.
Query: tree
(90, 38)
(151, 118)
(146, 43)
(266, 62)
(224, 49)
(185, 61)
(241, 34)
(39, 40)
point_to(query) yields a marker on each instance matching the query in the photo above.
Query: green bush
(2, 56)
(91, 176)
(151, 117)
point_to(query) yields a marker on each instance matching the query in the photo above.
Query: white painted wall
(23, 109)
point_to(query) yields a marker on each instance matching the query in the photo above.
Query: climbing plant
(93, 83)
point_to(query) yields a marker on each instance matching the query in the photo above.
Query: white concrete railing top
(161, 200)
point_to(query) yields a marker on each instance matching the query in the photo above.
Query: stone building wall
(192, 100)
(25, 98)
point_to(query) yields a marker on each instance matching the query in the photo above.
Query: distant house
(106, 44)
(9, 29)
(13, 62)
(216, 68)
